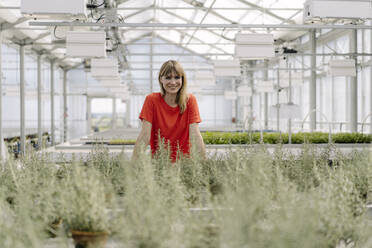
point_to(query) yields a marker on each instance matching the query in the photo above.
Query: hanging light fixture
(265, 86)
(244, 90)
(110, 82)
(55, 9)
(105, 67)
(286, 111)
(86, 44)
(227, 68)
(230, 95)
(205, 78)
(344, 67)
(295, 77)
(254, 46)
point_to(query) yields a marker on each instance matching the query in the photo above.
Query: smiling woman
(171, 115)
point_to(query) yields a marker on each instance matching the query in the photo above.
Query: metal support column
(312, 91)
(39, 104)
(22, 97)
(289, 102)
(266, 98)
(89, 115)
(151, 64)
(113, 123)
(250, 82)
(2, 151)
(354, 85)
(127, 114)
(65, 110)
(52, 103)
(277, 103)
(245, 98)
(370, 91)
(233, 104)
(333, 102)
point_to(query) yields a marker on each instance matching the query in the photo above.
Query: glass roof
(198, 40)
(205, 12)
(194, 46)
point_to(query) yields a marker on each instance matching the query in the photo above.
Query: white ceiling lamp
(344, 67)
(230, 95)
(122, 96)
(15, 91)
(98, 91)
(109, 78)
(254, 46)
(121, 89)
(111, 86)
(295, 77)
(194, 88)
(105, 67)
(336, 9)
(110, 81)
(12, 90)
(121, 92)
(286, 111)
(290, 111)
(227, 68)
(205, 78)
(244, 90)
(265, 86)
(55, 9)
(86, 44)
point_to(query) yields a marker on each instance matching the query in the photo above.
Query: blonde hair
(169, 67)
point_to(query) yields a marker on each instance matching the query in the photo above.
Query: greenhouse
(185, 123)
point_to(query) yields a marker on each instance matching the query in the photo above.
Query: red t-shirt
(173, 126)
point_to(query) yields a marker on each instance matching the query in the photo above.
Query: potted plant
(84, 206)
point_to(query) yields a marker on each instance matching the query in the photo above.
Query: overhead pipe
(39, 104)
(22, 149)
(312, 91)
(204, 26)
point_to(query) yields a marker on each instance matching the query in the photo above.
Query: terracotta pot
(89, 239)
(54, 227)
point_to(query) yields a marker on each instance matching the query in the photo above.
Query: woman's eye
(168, 78)
(178, 77)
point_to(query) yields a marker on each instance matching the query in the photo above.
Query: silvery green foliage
(153, 204)
(82, 200)
(17, 229)
(110, 166)
(245, 197)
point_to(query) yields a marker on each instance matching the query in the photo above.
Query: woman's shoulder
(190, 97)
(154, 96)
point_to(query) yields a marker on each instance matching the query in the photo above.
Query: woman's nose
(174, 80)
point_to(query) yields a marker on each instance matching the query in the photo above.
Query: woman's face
(172, 83)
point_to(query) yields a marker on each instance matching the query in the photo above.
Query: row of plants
(13, 144)
(243, 198)
(282, 138)
(224, 138)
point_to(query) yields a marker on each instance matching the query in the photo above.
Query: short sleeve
(194, 116)
(147, 112)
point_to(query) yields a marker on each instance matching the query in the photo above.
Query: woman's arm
(197, 139)
(143, 138)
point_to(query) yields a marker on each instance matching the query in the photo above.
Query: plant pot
(89, 239)
(53, 228)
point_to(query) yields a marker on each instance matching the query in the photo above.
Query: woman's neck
(170, 99)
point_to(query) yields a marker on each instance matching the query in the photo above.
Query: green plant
(17, 228)
(153, 203)
(276, 138)
(312, 198)
(111, 166)
(82, 200)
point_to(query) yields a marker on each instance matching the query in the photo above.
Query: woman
(172, 113)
